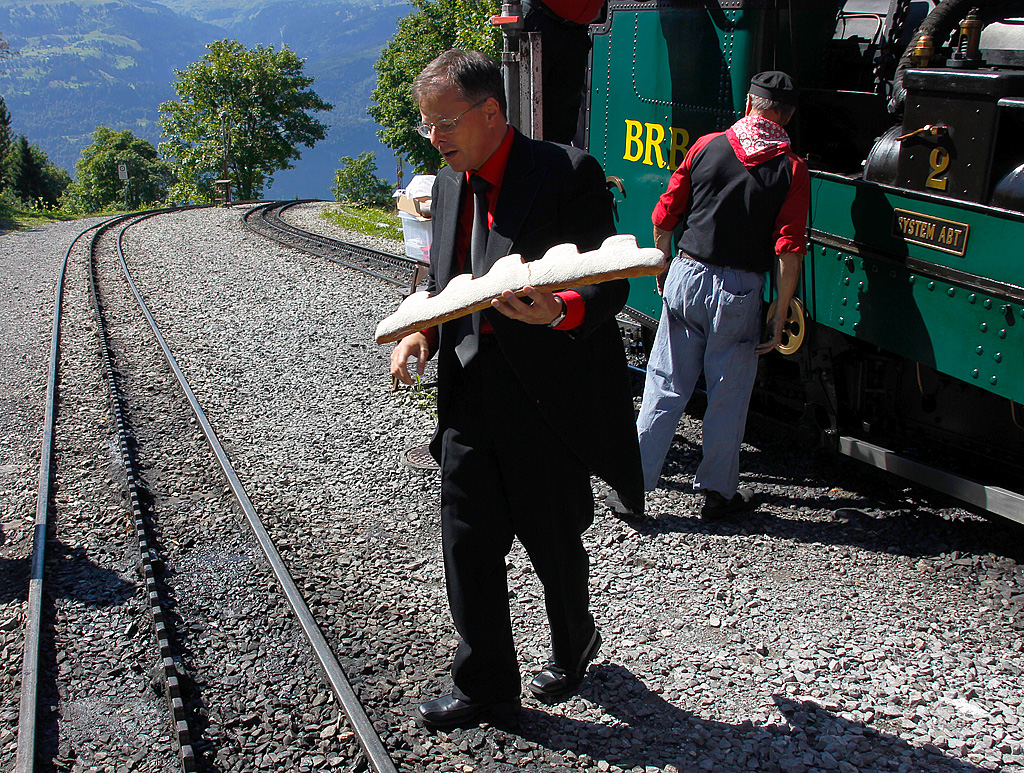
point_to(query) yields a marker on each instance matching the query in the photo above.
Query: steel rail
(168, 665)
(377, 756)
(274, 227)
(27, 725)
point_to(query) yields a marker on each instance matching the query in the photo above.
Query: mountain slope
(87, 62)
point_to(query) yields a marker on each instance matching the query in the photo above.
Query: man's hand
(775, 327)
(413, 345)
(535, 308)
(660, 279)
(663, 241)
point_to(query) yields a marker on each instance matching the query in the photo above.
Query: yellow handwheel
(793, 329)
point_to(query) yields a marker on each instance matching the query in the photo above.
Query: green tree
(267, 102)
(31, 177)
(357, 182)
(435, 27)
(98, 187)
(5, 130)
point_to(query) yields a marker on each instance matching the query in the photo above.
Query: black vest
(731, 220)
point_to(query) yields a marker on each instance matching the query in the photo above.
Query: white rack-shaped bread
(561, 268)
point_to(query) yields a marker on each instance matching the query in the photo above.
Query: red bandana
(756, 139)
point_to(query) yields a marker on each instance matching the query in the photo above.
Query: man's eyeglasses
(445, 125)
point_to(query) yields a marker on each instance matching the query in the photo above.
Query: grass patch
(372, 221)
(24, 220)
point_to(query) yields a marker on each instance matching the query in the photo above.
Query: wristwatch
(561, 315)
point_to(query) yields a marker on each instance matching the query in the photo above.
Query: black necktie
(467, 337)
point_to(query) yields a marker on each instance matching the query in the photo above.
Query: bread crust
(562, 267)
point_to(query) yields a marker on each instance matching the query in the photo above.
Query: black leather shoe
(554, 681)
(717, 506)
(449, 711)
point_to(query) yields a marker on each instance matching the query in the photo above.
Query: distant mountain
(86, 62)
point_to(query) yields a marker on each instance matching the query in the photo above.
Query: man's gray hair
(475, 75)
(763, 104)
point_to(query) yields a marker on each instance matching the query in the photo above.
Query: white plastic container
(417, 232)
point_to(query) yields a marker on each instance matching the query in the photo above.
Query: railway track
(850, 620)
(266, 220)
(178, 673)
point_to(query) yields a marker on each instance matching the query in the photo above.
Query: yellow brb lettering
(644, 141)
(655, 134)
(634, 147)
(677, 150)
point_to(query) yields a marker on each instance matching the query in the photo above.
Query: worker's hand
(661, 282)
(413, 345)
(773, 335)
(534, 308)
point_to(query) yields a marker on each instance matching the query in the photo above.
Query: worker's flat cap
(774, 85)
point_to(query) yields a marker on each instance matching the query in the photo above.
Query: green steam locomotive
(905, 348)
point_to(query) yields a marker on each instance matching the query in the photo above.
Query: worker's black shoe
(717, 507)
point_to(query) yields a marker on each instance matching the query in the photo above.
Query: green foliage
(356, 182)
(267, 101)
(97, 185)
(380, 222)
(435, 27)
(5, 130)
(30, 177)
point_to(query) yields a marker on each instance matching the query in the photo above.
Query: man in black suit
(533, 393)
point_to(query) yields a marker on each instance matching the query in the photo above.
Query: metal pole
(225, 121)
(510, 60)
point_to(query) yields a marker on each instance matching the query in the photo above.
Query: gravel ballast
(853, 623)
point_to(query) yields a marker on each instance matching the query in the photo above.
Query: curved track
(266, 220)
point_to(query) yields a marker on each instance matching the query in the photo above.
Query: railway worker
(532, 395)
(740, 198)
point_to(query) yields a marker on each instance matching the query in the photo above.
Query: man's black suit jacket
(550, 194)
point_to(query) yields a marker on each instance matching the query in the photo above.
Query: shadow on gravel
(656, 733)
(902, 532)
(13, 579)
(834, 501)
(81, 579)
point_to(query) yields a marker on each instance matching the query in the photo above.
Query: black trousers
(504, 474)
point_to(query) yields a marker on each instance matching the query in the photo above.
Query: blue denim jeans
(710, 321)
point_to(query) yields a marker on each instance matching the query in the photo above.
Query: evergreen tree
(30, 176)
(5, 130)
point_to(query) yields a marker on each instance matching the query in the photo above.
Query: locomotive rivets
(843, 302)
(846, 281)
(980, 350)
(998, 356)
(951, 292)
(842, 321)
(1002, 333)
(993, 381)
(984, 326)
(972, 298)
(988, 303)
(931, 285)
(912, 279)
(975, 373)
(857, 307)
